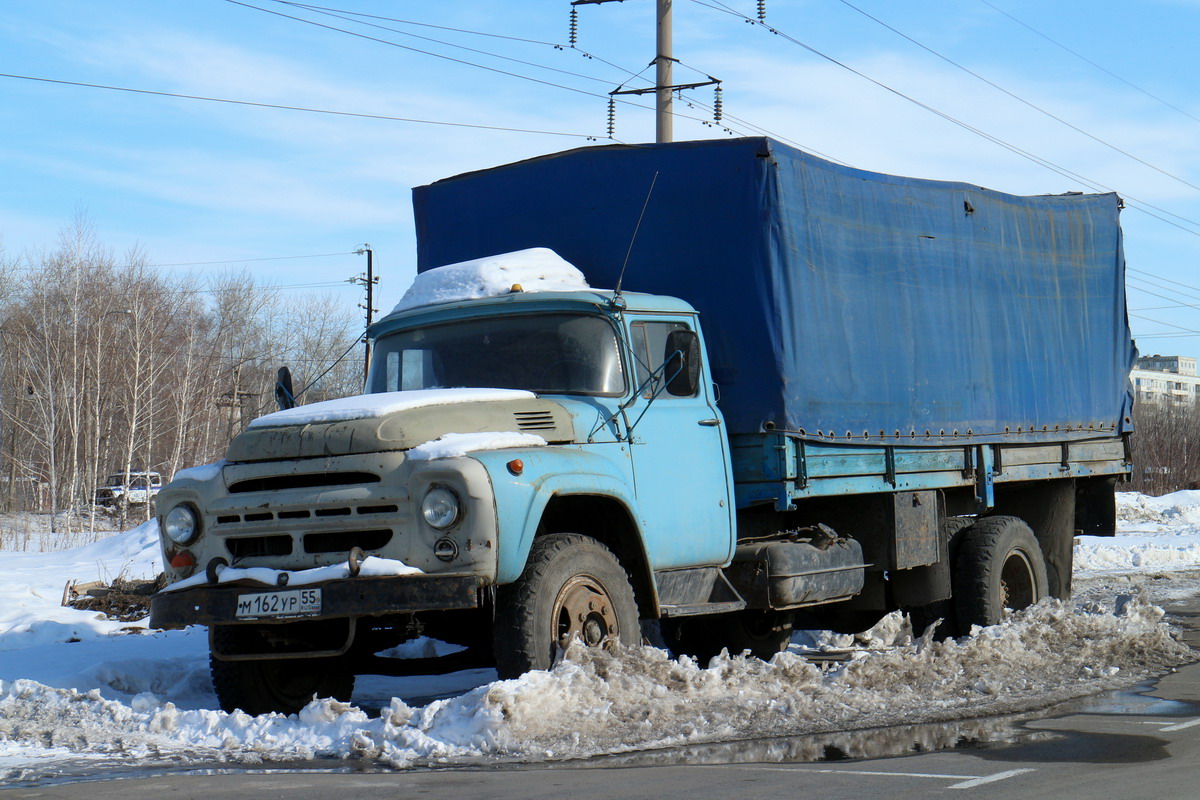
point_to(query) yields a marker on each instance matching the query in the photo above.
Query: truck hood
(339, 428)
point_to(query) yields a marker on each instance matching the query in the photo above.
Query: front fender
(604, 470)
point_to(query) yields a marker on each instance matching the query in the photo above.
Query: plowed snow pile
(74, 686)
(1154, 533)
(598, 703)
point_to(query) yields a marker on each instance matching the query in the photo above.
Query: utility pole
(663, 127)
(664, 61)
(369, 281)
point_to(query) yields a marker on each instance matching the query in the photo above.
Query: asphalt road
(1127, 745)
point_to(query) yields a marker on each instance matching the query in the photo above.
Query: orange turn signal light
(183, 559)
(516, 466)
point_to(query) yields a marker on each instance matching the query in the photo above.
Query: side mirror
(284, 397)
(683, 363)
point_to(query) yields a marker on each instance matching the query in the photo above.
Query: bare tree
(1166, 447)
(115, 369)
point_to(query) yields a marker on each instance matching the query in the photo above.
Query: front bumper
(216, 604)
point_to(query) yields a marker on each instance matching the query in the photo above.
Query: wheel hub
(583, 610)
(1017, 584)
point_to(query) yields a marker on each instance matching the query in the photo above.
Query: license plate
(293, 603)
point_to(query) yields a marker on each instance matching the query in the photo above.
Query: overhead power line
(1020, 99)
(312, 7)
(413, 49)
(295, 108)
(343, 16)
(239, 260)
(464, 62)
(1087, 60)
(1161, 296)
(1167, 280)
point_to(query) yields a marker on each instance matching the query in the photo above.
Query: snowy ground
(78, 689)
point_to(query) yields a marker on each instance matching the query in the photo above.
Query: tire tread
(516, 647)
(978, 559)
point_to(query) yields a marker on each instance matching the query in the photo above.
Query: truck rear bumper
(350, 597)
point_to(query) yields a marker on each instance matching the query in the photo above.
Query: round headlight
(181, 525)
(440, 507)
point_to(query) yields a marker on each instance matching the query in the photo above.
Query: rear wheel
(998, 566)
(572, 588)
(284, 685)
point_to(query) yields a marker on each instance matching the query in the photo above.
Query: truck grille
(311, 480)
(343, 541)
(310, 517)
(251, 546)
(337, 511)
(326, 542)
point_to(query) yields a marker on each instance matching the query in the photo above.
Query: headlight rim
(456, 503)
(192, 512)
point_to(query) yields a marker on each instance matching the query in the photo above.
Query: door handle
(709, 423)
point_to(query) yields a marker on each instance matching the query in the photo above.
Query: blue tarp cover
(834, 301)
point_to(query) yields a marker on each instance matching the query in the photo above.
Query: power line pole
(664, 61)
(663, 127)
(369, 281)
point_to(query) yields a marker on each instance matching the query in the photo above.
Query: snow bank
(453, 445)
(537, 269)
(1161, 533)
(373, 406)
(1177, 507)
(597, 702)
(109, 691)
(31, 591)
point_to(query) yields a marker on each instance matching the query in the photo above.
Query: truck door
(680, 453)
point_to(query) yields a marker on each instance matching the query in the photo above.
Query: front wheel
(572, 588)
(998, 566)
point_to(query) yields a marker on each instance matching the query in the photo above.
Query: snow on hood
(596, 702)
(453, 445)
(380, 404)
(203, 472)
(538, 269)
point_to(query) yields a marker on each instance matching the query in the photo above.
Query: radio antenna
(632, 239)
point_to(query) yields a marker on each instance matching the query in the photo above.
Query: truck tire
(572, 587)
(998, 565)
(283, 685)
(763, 633)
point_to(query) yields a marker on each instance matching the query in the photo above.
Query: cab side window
(654, 346)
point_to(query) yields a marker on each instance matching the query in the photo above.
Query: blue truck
(806, 395)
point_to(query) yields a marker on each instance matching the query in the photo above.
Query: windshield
(546, 353)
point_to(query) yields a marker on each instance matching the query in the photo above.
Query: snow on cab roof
(371, 406)
(536, 269)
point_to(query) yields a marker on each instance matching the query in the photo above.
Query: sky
(1098, 96)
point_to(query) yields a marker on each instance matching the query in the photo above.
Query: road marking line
(999, 776)
(965, 781)
(1181, 725)
(862, 772)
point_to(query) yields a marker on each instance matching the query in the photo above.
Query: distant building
(1180, 365)
(1166, 379)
